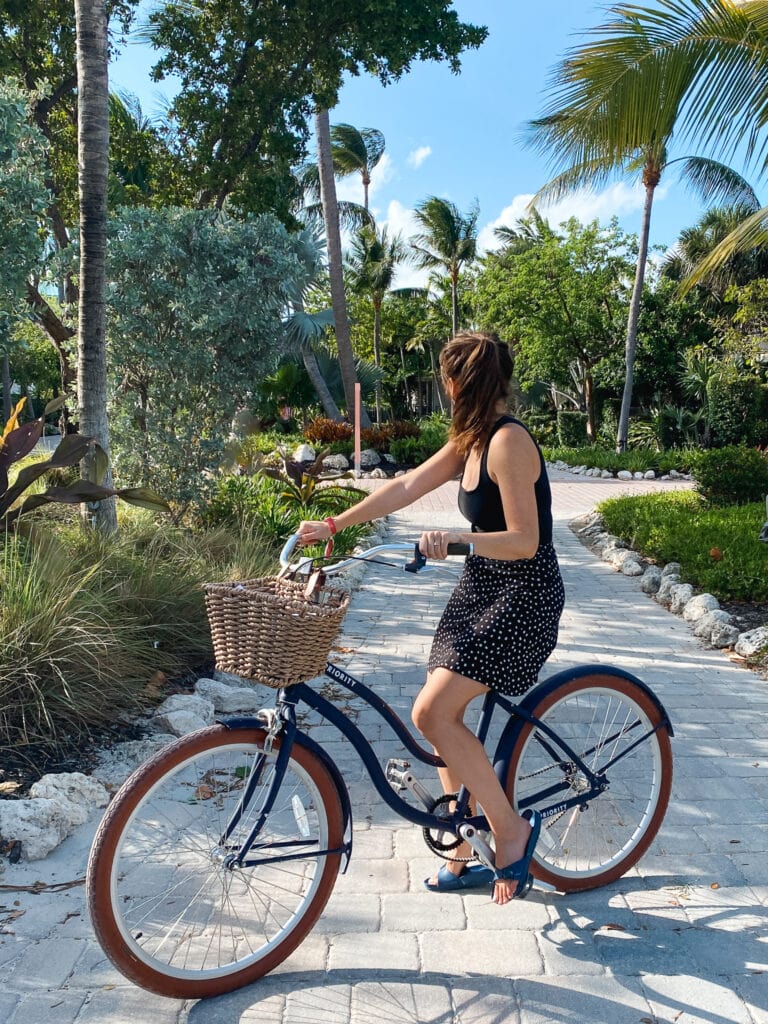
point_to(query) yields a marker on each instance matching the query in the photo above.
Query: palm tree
(372, 265)
(335, 265)
(449, 240)
(699, 241)
(93, 174)
(616, 104)
(356, 151)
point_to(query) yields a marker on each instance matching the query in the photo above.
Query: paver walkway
(681, 939)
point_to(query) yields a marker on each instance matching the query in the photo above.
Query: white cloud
(417, 156)
(586, 205)
(401, 220)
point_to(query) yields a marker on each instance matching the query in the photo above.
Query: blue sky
(459, 136)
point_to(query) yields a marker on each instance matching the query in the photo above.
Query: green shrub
(571, 428)
(736, 406)
(731, 475)
(716, 546)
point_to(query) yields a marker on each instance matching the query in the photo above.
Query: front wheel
(169, 909)
(600, 717)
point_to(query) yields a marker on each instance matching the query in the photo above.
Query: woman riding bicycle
(501, 622)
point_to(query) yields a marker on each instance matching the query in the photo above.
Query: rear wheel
(600, 717)
(168, 910)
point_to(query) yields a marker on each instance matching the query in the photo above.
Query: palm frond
(716, 183)
(752, 233)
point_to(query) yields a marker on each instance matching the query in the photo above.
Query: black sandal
(518, 871)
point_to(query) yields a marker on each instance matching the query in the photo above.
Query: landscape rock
(624, 474)
(679, 597)
(39, 825)
(179, 723)
(369, 458)
(752, 641)
(378, 474)
(704, 625)
(229, 699)
(664, 593)
(79, 789)
(700, 605)
(724, 635)
(304, 453)
(672, 569)
(631, 567)
(190, 703)
(336, 462)
(649, 584)
(649, 474)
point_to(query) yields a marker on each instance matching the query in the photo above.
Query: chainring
(433, 838)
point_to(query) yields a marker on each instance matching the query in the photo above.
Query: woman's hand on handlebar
(314, 531)
(434, 543)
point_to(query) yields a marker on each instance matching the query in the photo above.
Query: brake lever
(419, 561)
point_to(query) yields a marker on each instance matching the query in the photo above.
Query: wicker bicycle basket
(269, 630)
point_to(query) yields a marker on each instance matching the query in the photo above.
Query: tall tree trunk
(335, 266)
(312, 367)
(7, 405)
(650, 180)
(589, 404)
(377, 354)
(93, 165)
(455, 302)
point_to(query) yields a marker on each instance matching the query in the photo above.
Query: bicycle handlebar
(418, 563)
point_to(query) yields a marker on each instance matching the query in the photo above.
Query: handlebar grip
(458, 549)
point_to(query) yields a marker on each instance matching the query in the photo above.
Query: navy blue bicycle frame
(561, 753)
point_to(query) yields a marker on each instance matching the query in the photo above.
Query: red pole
(357, 430)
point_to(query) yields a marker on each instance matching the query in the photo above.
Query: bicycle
(216, 858)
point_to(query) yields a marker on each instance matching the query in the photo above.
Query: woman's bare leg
(438, 713)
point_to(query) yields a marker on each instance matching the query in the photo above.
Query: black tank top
(482, 505)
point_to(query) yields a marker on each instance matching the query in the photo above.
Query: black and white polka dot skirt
(500, 624)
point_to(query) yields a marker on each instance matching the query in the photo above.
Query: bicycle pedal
(395, 772)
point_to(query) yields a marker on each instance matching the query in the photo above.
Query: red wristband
(331, 525)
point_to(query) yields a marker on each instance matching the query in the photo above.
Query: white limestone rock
(378, 474)
(638, 476)
(704, 625)
(606, 473)
(752, 641)
(672, 569)
(369, 458)
(188, 702)
(304, 453)
(631, 567)
(230, 699)
(81, 790)
(39, 825)
(700, 605)
(649, 474)
(724, 635)
(651, 580)
(679, 597)
(664, 593)
(616, 556)
(339, 462)
(624, 474)
(179, 723)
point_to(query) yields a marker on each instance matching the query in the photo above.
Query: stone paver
(682, 938)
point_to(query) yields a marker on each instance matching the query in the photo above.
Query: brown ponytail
(479, 366)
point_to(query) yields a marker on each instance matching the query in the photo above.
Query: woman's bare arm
(514, 466)
(393, 495)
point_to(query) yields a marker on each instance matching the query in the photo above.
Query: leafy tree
(448, 240)
(562, 302)
(188, 341)
(38, 46)
(252, 75)
(615, 105)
